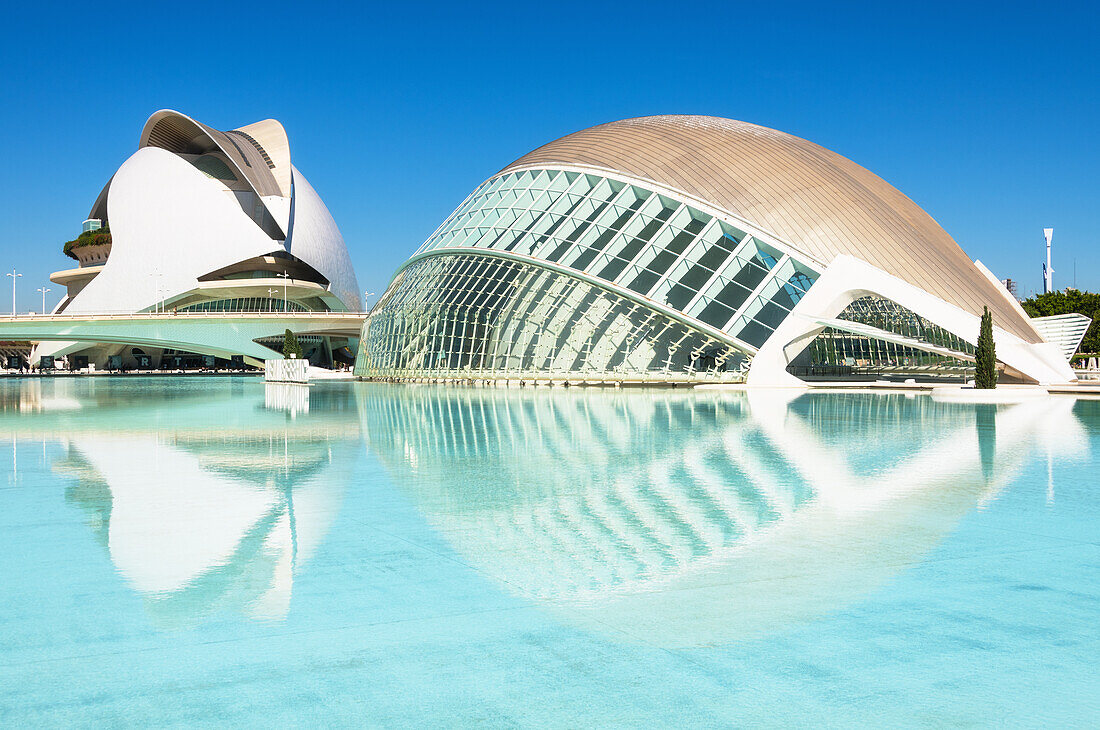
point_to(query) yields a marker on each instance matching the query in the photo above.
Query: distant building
(1010, 284)
(92, 224)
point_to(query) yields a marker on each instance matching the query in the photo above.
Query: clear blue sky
(987, 115)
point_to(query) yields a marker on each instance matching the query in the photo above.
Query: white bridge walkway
(221, 334)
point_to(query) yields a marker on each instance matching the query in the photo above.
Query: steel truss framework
(648, 285)
(649, 243)
(632, 254)
(481, 316)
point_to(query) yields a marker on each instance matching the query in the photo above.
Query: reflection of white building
(684, 247)
(682, 520)
(215, 509)
(202, 220)
(206, 525)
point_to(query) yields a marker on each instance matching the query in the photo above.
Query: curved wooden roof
(807, 196)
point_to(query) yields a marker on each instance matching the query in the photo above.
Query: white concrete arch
(176, 132)
(849, 278)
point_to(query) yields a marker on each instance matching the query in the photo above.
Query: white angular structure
(1065, 330)
(687, 248)
(210, 221)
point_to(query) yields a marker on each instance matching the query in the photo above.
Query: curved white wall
(166, 217)
(315, 239)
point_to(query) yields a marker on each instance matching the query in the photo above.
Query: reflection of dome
(690, 521)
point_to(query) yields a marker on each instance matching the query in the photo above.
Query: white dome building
(204, 220)
(688, 248)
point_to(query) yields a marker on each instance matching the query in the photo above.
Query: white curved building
(686, 248)
(211, 221)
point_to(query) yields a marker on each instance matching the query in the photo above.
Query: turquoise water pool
(214, 551)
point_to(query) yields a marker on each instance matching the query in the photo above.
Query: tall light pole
(44, 290)
(156, 284)
(367, 296)
(1048, 270)
(284, 276)
(13, 276)
(271, 295)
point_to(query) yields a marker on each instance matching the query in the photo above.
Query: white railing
(169, 315)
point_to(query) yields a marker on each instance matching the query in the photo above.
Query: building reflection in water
(672, 517)
(695, 519)
(204, 505)
(290, 397)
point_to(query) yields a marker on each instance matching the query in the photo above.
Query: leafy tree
(985, 362)
(1067, 302)
(290, 345)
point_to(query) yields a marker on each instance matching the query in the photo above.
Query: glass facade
(886, 315)
(478, 316)
(451, 314)
(836, 352)
(244, 304)
(214, 167)
(639, 240)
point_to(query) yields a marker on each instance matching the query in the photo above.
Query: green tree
(985, 362)
(98, 237)
(1067, 302)
(290, 345)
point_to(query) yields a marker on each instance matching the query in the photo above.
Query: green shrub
(290, 345)
(88, 238)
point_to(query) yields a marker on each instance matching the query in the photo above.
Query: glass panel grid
(653, 245)
(838, 353)
(527, 322)
(244, 304)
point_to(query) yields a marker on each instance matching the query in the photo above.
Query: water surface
(214, 550)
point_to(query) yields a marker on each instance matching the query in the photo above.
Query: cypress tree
(290, 345)
(985, 362)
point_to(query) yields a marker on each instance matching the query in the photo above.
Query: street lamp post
(285, 277)
(270, 295)
(156, 283)
(44, 290)
(367, 296)
(13, 276)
